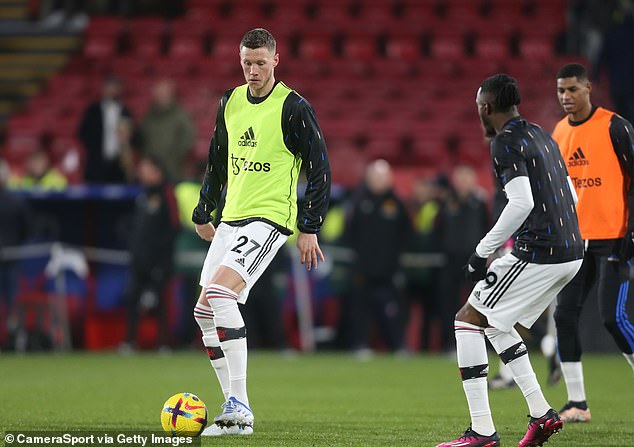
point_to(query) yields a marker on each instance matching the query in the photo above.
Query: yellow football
(184, 414)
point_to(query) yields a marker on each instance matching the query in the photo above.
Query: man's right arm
(216, 172)
(622, 137)
(511, 168)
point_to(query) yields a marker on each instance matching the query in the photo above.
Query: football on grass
(184, 414)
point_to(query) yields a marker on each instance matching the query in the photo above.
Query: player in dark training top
(520, 285)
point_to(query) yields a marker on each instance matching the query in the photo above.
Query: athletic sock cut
(232, 334)
(513, 352)
(474, 367)
(573, 376)
(205, 319)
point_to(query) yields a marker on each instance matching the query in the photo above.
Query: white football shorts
(516, 291)
(248, 250)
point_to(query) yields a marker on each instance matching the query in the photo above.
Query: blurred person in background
(617, 58)
(152, 235)
(70, 14)
(461, 222)
(15, 218)
(128, 153)
(265, 134)
(337, 280)
(422, 284)
(263, 313)
(587, 21)
(597, 146)
(39, 174)
(377, 229)
(100, 134)
(189, 245)
(167, 131)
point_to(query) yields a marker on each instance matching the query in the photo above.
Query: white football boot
(236, 418)
(213, 430)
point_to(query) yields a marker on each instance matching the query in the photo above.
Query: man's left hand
(476, 268)
(309, 252)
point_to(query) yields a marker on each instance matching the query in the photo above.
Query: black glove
(476, 268)
(627, 248)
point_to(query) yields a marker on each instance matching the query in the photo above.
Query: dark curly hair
(504, 91)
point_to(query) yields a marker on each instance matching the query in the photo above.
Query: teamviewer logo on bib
(248, 139)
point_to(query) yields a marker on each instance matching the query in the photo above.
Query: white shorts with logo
(248, 250)
(517, 291)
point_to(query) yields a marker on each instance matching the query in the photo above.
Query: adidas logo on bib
(248, 139)
(578, 158)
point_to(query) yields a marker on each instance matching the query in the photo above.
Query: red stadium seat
(146, 36)
(19, 147)
(377, 146)
(102, 37)
(334, 15)
(492, 47)
(128, 66)
(448, 47)
(473, 151)
(316, 48)
(433, 154)
(359, 47)
(201, 148)
(226, 48)
(403, 47)
(347, 166)
(105, 25)
(536, 48)
(187, 39)
(25, 124)
(377, 15)
(398, 76)
(99, 47)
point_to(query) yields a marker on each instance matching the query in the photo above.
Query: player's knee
(565, 319)
(204, 318)
(493, 334)
(224, 303)
(469, 315)
(508, 345)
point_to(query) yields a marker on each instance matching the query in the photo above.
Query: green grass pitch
(312, 400)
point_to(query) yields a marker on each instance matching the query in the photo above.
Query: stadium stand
(418, 62)
(394, 79)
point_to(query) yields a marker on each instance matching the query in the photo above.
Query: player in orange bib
(597, 146)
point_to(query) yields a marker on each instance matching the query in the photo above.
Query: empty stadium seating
(393, 79)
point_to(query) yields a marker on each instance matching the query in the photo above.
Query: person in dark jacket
(14, 224)
(152, 236)
(98, 132)
(377, 230)
(460, 224)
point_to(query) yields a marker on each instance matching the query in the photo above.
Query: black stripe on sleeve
(303, 136)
